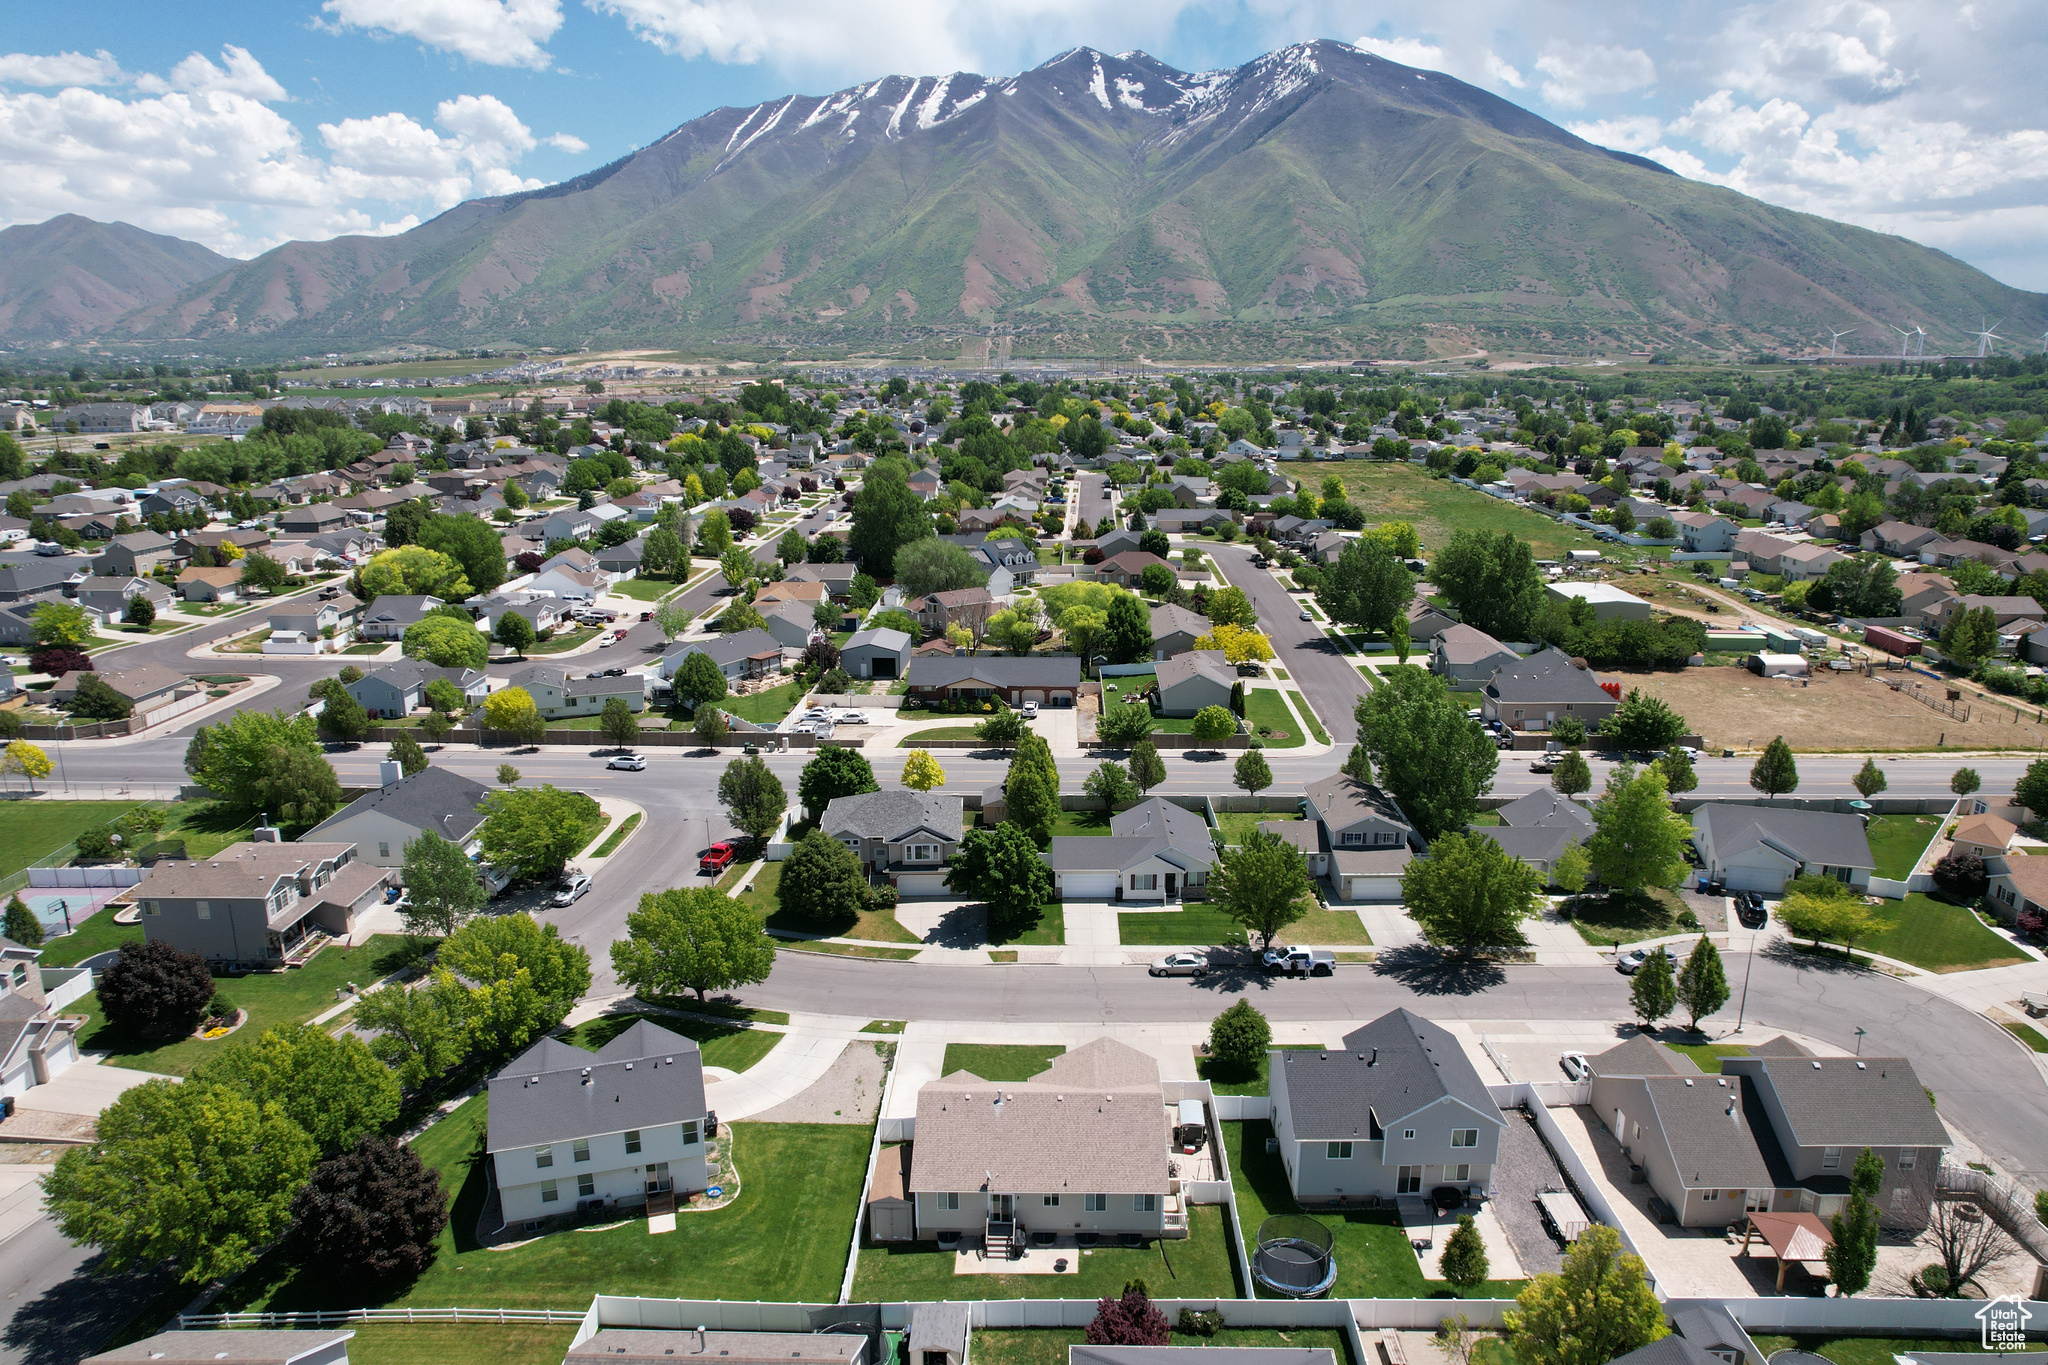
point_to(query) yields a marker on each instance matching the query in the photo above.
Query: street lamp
(1746, 972)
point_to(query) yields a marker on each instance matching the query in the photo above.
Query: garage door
(1767, 880)
(1377, 890)
(1088, 886)
(885, 665)
(921, 884)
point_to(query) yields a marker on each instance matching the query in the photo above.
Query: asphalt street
(1315, 666)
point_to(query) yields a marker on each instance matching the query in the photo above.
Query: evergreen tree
(1702, 984)
(1869, 779)
(1853, 1255)
(22, 925)
(407, 753)
(1148, 770)
(1775, 773)
(1464, 1259)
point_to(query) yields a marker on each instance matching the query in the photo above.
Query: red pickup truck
(717, 858)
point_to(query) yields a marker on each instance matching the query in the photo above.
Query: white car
(1575, 1065)
(1307, 615)
(632, 763)
(573, 889)
(849, 718)
(1030, 709)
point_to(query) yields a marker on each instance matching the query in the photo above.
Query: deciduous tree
(1367, 587)
(418, 1033)
(1637, 840)
(1262, 884)
(1775, 773)
(441, 886)
(446, 643)
(1702, 983)
(1598, 1307)
(752, 796)
(1238, 1039)
(374, 1212)
(921, 772)
(999, 865)
(1433, 760)
(1111, 785)
(1651, 992)
(155, 990)
(1148, 770)
(823, 882)
(1469, 894)
(1121, 725)
(1253, 773)
(1570, 775)
(520, 978)
(831, 774)
(1643, 722)
(1492, 581)
(514, 632)
(616, 720)
(692, 939)
(327, 1083)
(533, 831)
(929, 565)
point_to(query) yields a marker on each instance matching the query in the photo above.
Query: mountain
(72, 277)
(1318, 200)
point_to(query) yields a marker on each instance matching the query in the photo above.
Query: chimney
(265, 832)
(388, 772)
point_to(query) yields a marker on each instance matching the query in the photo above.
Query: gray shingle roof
(645, 1077)
(1546, 677)
(1199, 1355)
(438, 799)
(1388, 1069)
(652, 1346)
(1848, 1101)
(1712, 1147)
(892, 814)
(1640, 1056)
(1545, 808)
(1168, 619)
(1196, 663)
(881, 637)
(1147, 829)
(1818, 837)
(1343, 801)
(1043, 670)
(234, 1347)
(728, 649)
(1463, 644)
(1667, 1350)
(1536, 844)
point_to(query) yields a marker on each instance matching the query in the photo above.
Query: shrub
(1239, 1037)
(155, 989)
(374, 1211)
(1960, 874)
(1128, 1321)
(1199, 1323)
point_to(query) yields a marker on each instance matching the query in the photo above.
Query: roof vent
(629, 1066)
(1688, 1082)
(1375, 1061)
(1861, 1067)
(1816, 1066)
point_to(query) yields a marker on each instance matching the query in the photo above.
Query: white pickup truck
(1296, 961)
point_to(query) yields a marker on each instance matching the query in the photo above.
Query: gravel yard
(848, 1093)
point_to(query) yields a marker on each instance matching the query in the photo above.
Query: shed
(892, 1217)
(938, 1334)
(1891, 641)
(1777, 665)
(877, 653)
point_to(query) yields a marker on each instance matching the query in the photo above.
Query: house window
(203, 910)
(947, 1203)
(1464, 1137)
(20, 974)
(1051, 1201)
(924, 853)
(1338, 1151)
(690, 1133)
(1907, 1158)
(1144, 1203)
(1709, 1196)
(1094, 1203)
(1457, 1175)
(632, 1141)
(1144, 881)
(580, 1149)
(1409, 1180)
(586, 1186)
(548, 1193)
(383, 850)
(1351, 836)
(544, 1156)
(1408, 1135)
(1830, 1158)
(151, 908)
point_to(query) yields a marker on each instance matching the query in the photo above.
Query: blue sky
(242, 125)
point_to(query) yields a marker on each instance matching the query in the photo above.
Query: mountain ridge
(70, 275)
(1317, 197)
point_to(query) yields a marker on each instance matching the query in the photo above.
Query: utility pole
(1742, 1009)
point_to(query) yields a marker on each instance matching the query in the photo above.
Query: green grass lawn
(644, 589)
(1231, 1081)
(1374, 1260)
(1897, 841)
(2026, 1033)
(733, 1046)
(1315, 724)
(1707, 1056)
(1207, 924)
(1049, 928)
(1048, 1345)
(1265, 709)
(1938, 936)
(918, 739)
(1601, 920)
(564, 640)
(368, 647)
(459, 1343)
(287, 997)
(95, 935)
(1195, 1267)
(1437, 507)
(207, 827)
(765, 707)
(1000, 1061)
(1237, 824)
(784, 1238)
(764, 896)
(1865, 1350)
(610, 846)
(40, 827)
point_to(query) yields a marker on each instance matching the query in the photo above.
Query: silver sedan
(1181, 964)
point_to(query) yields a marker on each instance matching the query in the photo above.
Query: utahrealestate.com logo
(2004, 1320)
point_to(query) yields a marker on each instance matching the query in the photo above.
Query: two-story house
(1537, 692)
(381, 823)
(1175, 630)
(1466, 657)
(1367, 834)
(1082, 1148)
(904, 835)
(556, 692)
(1399, 1111)
(970, 607)
(36, 1042)
(139, 552)
(312, 626)
(573, 1130)
(260, 903)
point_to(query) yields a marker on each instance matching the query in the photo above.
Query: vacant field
(1733, 708)
(1399, 492)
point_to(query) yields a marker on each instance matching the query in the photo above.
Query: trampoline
(1294, 1257)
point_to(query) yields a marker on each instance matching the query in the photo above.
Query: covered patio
(1794, 1238)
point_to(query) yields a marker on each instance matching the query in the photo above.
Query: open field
(40, 827)
(1733, 708)
(1402, 492)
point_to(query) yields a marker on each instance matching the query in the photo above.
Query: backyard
(1048, 1345)
(1195, 1267)
(36, 828)
(1374, 1260)
(1000, 1061)
(465, 1343)
(271, 998)
(782, 1239)
(1226, 1080)
(765, 707)
(1897, 841)
(1235, 825)
(1866, 1350)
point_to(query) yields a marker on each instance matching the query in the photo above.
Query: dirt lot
(1732, 708)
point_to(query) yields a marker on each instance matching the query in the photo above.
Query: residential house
(1190, 681)
(572, 1130)
(970, 607)
(1399, 1111)
(803, 594)
(569, 584)
(543, 611)
(1466, 657)
(1704, 532)
(387, 617)
(1126, 569)
(1012, 563)
(2017, 884)
(381, 823)
(1081, 1148)
(1899, 538)
(136, 554)
(1049, 680)
(927, 484)
(32, 575)
(1193, 522)
(1760, 848)
(394, 691)
(1369, 838)
(1537, 827)
(314, 626)
(259, 903)
(837, 578)
(1175, 630)
(743, 654)
(1922, 596)
(1154, 851)
(314, 518)
(109, 597)
(174, 500)
(1986, 836)
(148, 687)
(878, 653)
(1805, 561)
(1426, 620)
(210, 585)
(905, 836)
(262, 1346)
(17, 618)
(557, 693)
(35, 1041)
(791, 623)
(1537, 692)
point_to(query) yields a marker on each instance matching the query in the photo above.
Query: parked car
(1294, 961)
(849, 717)
(1749, 908)
(1307, 615)
(632, 763)
(573, 889)
(647, 616)
(718, 857)
(1181, 964)
(1030, 709)
(495, 880)
(1576, 1067)
(1631, 962)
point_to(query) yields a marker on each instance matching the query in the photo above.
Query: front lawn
(733, 1046)
(1315, 724)
(764, 896)
(918, 739)
(644, 589)
(1265, 709)
(1707, 1056)
(1048, 1345)
(1205, 923)
(564, 640)
(1049, 927)
(783, 1239)
(765, 707)
(1938, 936)
(1195, 1267)
(1231, 1081)
(1374, 1260)
(1897, 841)
(271, 998)
(1000, 1061)
(1627, 917)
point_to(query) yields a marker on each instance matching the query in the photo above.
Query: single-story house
(387, 617)
(381, 823)
(905, 836)
(1760, 848)
(1537, 827)
(210, 585)
(1049, 680)
(1126, 569)
(1188, 682)
(1397, 1113)
(36, 1042)
(1987, 835)
(557, 693)
(314, 518)
(743, 654)
(879, 653)
(146, 685)
(1368, 837)
(2017, 884)
(791, 623)
(393, 691)
(1537, 692)
(1153, 852)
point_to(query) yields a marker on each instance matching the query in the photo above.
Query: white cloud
(494, 32)
(239, 74)
(1480, 66)
(392, 158)
(1623, 134)
(60, 68)
(566, 142)
(1577, 70)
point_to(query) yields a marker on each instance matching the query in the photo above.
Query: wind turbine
(1905, 339)
(1984, 339)
(1834, 337)
(1919, 341)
